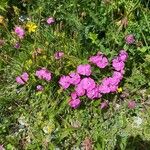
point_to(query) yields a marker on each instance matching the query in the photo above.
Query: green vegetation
(43, 120)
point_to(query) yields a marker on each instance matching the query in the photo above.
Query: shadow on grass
(133, 143)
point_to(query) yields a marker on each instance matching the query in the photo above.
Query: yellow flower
(31, 26)
(119, 90)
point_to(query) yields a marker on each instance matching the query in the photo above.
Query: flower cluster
(30, 27)
(110, 84)
(86, 86)
(81, 80)
(42, 73)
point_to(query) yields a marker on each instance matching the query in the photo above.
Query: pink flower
(39, 88)
(131, 104)
(22, 79)
(64, 82)
(113, 88)
(88, 83)
(94, 93)
(99, 60)
(43, 74)
(79, 90)
(74, 103)
(103, 63)
(73, 95)
(117, 64)
(117, 75)
(74, 78)
(50, 20)
(104, 89)
(129, 39)
(20, 32)
(25, 76)
(58, 55)
(104, 105)
(123, 55)
(108, 85)
(106, 81)
(95, 59)
(114, 80)
(122, 72)
(19, 80)
(84, 70)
